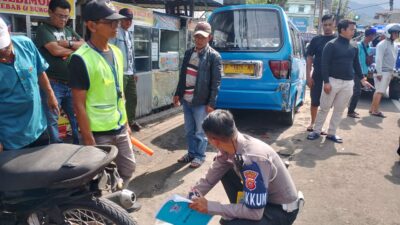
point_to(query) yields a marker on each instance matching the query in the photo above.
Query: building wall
(301, 13)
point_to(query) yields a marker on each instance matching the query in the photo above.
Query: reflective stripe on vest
(105, 110)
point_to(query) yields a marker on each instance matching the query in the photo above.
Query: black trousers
(43, 139)
(356, 95)
(273, 214)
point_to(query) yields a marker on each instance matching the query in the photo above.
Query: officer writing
(254, 177)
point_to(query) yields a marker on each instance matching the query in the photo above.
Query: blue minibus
(264, 66)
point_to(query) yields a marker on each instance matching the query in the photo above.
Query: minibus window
(246, 30)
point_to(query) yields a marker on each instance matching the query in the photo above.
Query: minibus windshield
(246, 30)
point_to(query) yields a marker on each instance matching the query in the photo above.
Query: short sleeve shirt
(22, 119)
(47, 33)
(315, 48)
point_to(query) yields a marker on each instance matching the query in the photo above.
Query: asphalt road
(357, 182)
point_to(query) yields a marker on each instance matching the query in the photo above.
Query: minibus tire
(288, 117)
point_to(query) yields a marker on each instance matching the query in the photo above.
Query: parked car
(263, 59)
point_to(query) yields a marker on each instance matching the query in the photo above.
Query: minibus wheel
(288, 117)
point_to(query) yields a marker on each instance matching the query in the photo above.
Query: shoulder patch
(255, 193)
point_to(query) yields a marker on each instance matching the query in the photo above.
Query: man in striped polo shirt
(199, 80)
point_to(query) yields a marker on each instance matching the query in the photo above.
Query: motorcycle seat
(52, 166)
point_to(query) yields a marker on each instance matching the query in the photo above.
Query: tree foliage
(344, 10)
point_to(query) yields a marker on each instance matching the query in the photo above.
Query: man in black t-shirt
(56, 42)
(314, 55)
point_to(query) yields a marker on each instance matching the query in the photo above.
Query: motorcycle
(60, 184)
(394, 86)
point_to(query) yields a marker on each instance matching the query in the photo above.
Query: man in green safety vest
(96, 80)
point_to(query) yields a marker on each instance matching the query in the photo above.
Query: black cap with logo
(100, 9)
(126, 12)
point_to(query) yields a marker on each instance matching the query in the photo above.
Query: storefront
(157, 50)
(160, 41)
(24, 16)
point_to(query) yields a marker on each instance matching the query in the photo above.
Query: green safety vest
(104, 108)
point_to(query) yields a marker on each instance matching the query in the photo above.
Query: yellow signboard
(30, 7)
(141, 16)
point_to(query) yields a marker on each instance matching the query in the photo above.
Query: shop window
(301, 8)
(169, 50)
(142, 48)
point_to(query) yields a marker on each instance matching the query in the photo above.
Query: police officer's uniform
(269, 195)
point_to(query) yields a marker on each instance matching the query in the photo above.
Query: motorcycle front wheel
(95, 211)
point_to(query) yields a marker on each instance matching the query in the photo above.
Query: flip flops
(310, 129)
(186, 159)
(334, 138)
(377, 114)
(196, 163)
(313, 136)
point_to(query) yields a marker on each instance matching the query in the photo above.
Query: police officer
(254, 177)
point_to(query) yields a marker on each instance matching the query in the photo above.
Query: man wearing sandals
(385, 61)
(198, 86)
(259, 186)
(339, 63)
(314, 55)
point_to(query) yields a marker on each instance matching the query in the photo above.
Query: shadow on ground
(394, 177)
(149, 183)
(172, 140)
(318, 150)
(265, 125)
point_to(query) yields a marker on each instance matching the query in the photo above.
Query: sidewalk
(159, 116)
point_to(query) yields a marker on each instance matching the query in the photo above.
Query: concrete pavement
(357, 182)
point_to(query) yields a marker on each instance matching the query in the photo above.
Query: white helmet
(391, 28)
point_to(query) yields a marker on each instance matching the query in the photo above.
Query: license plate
(239, 69)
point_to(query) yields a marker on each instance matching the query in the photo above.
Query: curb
(159, 116)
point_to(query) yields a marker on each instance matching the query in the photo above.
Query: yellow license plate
(239, 69)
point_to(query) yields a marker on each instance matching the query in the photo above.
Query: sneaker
(353, 115)
(135, 126)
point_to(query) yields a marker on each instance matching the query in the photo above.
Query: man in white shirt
(385, 61)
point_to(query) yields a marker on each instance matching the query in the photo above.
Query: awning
(199, 5)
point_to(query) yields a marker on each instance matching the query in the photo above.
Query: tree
(343, 11)
(277, 2)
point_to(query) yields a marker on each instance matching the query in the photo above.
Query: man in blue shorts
(314, 55)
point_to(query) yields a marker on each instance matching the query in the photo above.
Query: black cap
(126, 12)
(100, 9)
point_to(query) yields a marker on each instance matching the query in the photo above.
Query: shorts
(315, 92)
(382, 85)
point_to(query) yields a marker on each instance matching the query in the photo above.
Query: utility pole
(321, 11)
(338, 12)
(391, 5)
(315, 9)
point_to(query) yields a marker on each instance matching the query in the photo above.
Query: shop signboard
(166, 22)
(30, 7)
(301, 23)
(141, 16)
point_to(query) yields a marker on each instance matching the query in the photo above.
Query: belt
(296, 204)
(59, 81)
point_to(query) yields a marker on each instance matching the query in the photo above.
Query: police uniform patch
(255, 193)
